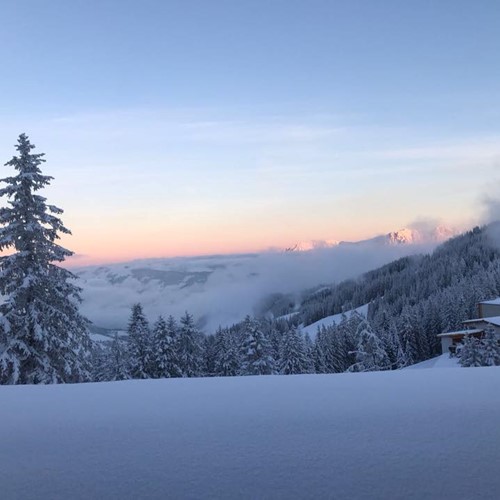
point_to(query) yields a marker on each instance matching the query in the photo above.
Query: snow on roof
(493, 301)
(461, 332)
(493, 320)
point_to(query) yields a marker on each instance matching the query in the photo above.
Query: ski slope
(312, 329)
(412, 434)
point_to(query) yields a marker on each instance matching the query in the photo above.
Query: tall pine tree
(293, 359)
(45, 339)
(255, 350)
(164, 355)
(189, 348)
(139, 344)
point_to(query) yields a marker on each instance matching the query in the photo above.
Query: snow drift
(423, 434)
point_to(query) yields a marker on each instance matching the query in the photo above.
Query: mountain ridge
(404, 236)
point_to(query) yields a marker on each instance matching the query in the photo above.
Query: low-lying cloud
(234, 286)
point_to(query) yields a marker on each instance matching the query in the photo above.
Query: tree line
(170, 349)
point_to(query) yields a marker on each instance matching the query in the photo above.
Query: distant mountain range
(405, 236)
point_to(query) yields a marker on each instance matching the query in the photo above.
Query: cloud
(490, 208)
(464, 150)
(235, 286)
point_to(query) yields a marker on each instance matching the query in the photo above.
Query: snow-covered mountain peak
(404, 236)
(436, 234)
(306, 246)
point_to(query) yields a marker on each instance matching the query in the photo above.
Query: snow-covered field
(420, 434)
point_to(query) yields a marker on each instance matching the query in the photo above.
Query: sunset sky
(197, 127)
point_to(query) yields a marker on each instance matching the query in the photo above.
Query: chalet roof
(461, 332)
(493, 320)
(492, 302)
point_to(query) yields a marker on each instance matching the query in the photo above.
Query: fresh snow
(419, 434)
(98, 337)
(494, 301)
(288, 316)
(442, 361)
(494, 320)
(312, 329)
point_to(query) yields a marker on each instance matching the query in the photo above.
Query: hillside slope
(427, 293)
(422, 434)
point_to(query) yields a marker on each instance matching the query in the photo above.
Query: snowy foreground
(408, 434)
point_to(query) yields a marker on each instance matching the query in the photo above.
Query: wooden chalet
(488, 317)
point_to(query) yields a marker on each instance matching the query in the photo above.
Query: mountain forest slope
(417, 297)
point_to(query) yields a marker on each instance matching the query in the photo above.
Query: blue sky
(200, 126)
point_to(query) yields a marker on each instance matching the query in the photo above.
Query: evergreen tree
(370, 353)
(118, 363)
(209, 362)
(275, 336)
(227, 362)
(344, 341)
(45, 339)
(319, 355)
(255, 350)
(401, 360)
(99, 362)
(173, 332)
(409, 334)
(189, 348)
(470, 353)
(164, 355)
(292, 353)
(490, 348)
(139, 344)
(309, 352)
(392, 346)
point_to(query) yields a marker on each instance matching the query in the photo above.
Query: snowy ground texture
(412, 434)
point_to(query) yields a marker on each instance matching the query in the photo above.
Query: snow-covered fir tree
(370, 352)
(118, 362)
(309, 351)
(208, 367)
(345, 340)
(293, 359)
(471, 353)
(227, 359)
(45, 338)
(322, 354)
(99, 362)
(255, 350)
(139, 344)
(189, 348)
(164, 354)
(274, 333)
(392, 346)
(409, 337)
(490, 348)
